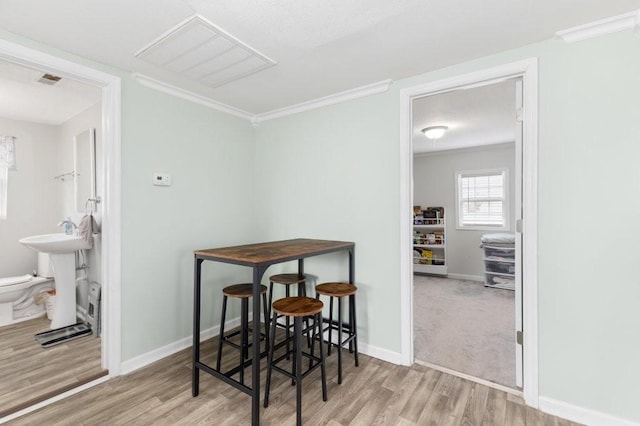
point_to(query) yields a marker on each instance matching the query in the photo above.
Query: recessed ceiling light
(434, 132)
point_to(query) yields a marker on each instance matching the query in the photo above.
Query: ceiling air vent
(200, 51)
(49, 79)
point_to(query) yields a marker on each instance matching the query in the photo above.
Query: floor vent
(200, 51)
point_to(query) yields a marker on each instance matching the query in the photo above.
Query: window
(7, 161)
(482, 202)
(3, 191)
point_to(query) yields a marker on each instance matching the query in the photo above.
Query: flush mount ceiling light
(434, 132)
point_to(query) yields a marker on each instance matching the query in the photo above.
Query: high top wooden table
(259, 257)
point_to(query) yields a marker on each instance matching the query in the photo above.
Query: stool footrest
(309, 370)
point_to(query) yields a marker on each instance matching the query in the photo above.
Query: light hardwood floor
(375, 393)
(30, 373)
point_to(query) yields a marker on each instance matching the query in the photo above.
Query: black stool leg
(270, 299)
(244, 346)
(266, 321)
(318, 320)
(297, 331)
(354, 325)
(302, 291)
(330, 325)
(339, 348)
(221, 335)
(288, 324)
(270, 359)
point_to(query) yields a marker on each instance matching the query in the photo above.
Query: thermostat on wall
(162, 179)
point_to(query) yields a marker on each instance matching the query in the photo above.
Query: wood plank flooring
(375, 393)
(30, 373)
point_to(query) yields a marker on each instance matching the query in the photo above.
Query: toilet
(17, 294)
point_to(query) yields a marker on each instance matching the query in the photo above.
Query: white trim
(580, 414)
(379, 353)
(154, 355)
(527, 69)
(56, 398)
(111, 115)
(466, 277)
(614, 24)
(347, 95)
(111, 226)
(178, 92)
(470, 378)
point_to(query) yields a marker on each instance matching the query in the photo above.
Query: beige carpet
(466, 327)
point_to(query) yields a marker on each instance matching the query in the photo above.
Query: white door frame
(111, 201)
(528, 70)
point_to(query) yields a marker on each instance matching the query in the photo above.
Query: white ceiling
(23, 98)
(321, 47)
(477, 116)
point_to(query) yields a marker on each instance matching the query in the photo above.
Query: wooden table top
(273, 252)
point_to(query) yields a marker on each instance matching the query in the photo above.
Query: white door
(519, 224)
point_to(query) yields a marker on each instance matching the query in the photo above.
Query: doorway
(464, 260)
(109, 207)
(526, 233)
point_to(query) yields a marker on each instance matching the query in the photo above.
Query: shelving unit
(499, 265)
(429, 242)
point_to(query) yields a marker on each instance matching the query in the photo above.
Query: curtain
(7, 152)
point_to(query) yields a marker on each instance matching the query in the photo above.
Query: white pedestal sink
(61, 249)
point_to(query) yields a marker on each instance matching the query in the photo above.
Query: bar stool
(288, 280)
(339, 290)
(243, 292)
(298, 308)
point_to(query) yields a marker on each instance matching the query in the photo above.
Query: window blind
(481, 199)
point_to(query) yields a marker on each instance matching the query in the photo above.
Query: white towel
(87, 228)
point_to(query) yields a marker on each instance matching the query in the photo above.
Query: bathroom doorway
(40, 194)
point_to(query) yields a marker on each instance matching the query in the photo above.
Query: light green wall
(333, 173)
(210, 203)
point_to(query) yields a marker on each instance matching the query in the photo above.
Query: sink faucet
(68, 225)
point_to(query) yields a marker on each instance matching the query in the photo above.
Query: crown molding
(190, 96)
(255, 119)
(347, 95)
(626, 21)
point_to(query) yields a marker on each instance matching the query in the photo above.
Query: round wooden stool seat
(288, 279)
(336, 289)
(297, 306)
(241, 290)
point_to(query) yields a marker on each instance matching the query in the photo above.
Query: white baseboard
(145, 359)
(380, 353)
(466, 277)
(580, 414)
(170, 349)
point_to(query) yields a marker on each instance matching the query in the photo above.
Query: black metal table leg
(339, 348)
(258, 271)
(297, 331)
(195, 378)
